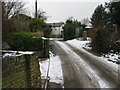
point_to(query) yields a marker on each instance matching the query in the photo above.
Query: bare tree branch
(12, 8)
(9, 9)
(42, 14)
(85, 21)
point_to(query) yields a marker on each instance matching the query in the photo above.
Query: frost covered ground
(80, 44)
(55, 69)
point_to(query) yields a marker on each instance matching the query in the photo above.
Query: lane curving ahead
(82, 70)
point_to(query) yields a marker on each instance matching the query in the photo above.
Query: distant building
(79, 31)
(57, 28)
(88, 28)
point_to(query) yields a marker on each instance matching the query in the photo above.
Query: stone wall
(21, 72)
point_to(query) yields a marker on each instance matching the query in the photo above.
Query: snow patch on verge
(112, 57)
(55, 71)
(80, 43)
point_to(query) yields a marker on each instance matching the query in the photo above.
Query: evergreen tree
(100, 17)
(114, 10)
(69, 28)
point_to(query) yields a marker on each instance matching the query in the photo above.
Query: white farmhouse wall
(56, 30)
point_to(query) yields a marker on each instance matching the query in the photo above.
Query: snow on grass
(79, 43)
(43, 68)
(114, 57)
(55, 71)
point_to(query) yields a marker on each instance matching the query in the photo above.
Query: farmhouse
(57, 29)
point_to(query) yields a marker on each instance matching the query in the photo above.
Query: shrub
(115, 47)
(36, 24)
(47, 30)
(70, 28)
(101, 41)
(26, 42)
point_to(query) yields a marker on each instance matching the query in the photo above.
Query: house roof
(88, 27)
(56, 24)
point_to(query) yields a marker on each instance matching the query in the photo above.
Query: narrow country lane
(81, 70)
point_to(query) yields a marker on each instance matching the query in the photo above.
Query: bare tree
(85, 21)
(9, 8)
(41, 14)
(12, 8)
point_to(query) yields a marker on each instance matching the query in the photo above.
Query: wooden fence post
(28, 71)
(84, 35)
(45, 47)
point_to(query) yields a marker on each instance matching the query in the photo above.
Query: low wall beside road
(21, 71)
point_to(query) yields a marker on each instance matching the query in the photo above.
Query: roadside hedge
(26, 42)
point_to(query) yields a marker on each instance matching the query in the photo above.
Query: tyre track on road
(76, 74)
(104, 71)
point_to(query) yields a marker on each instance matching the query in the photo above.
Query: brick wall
(21, 72)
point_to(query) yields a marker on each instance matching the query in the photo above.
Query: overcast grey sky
(63, 9)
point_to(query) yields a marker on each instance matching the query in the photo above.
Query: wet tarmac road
(80, 70)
